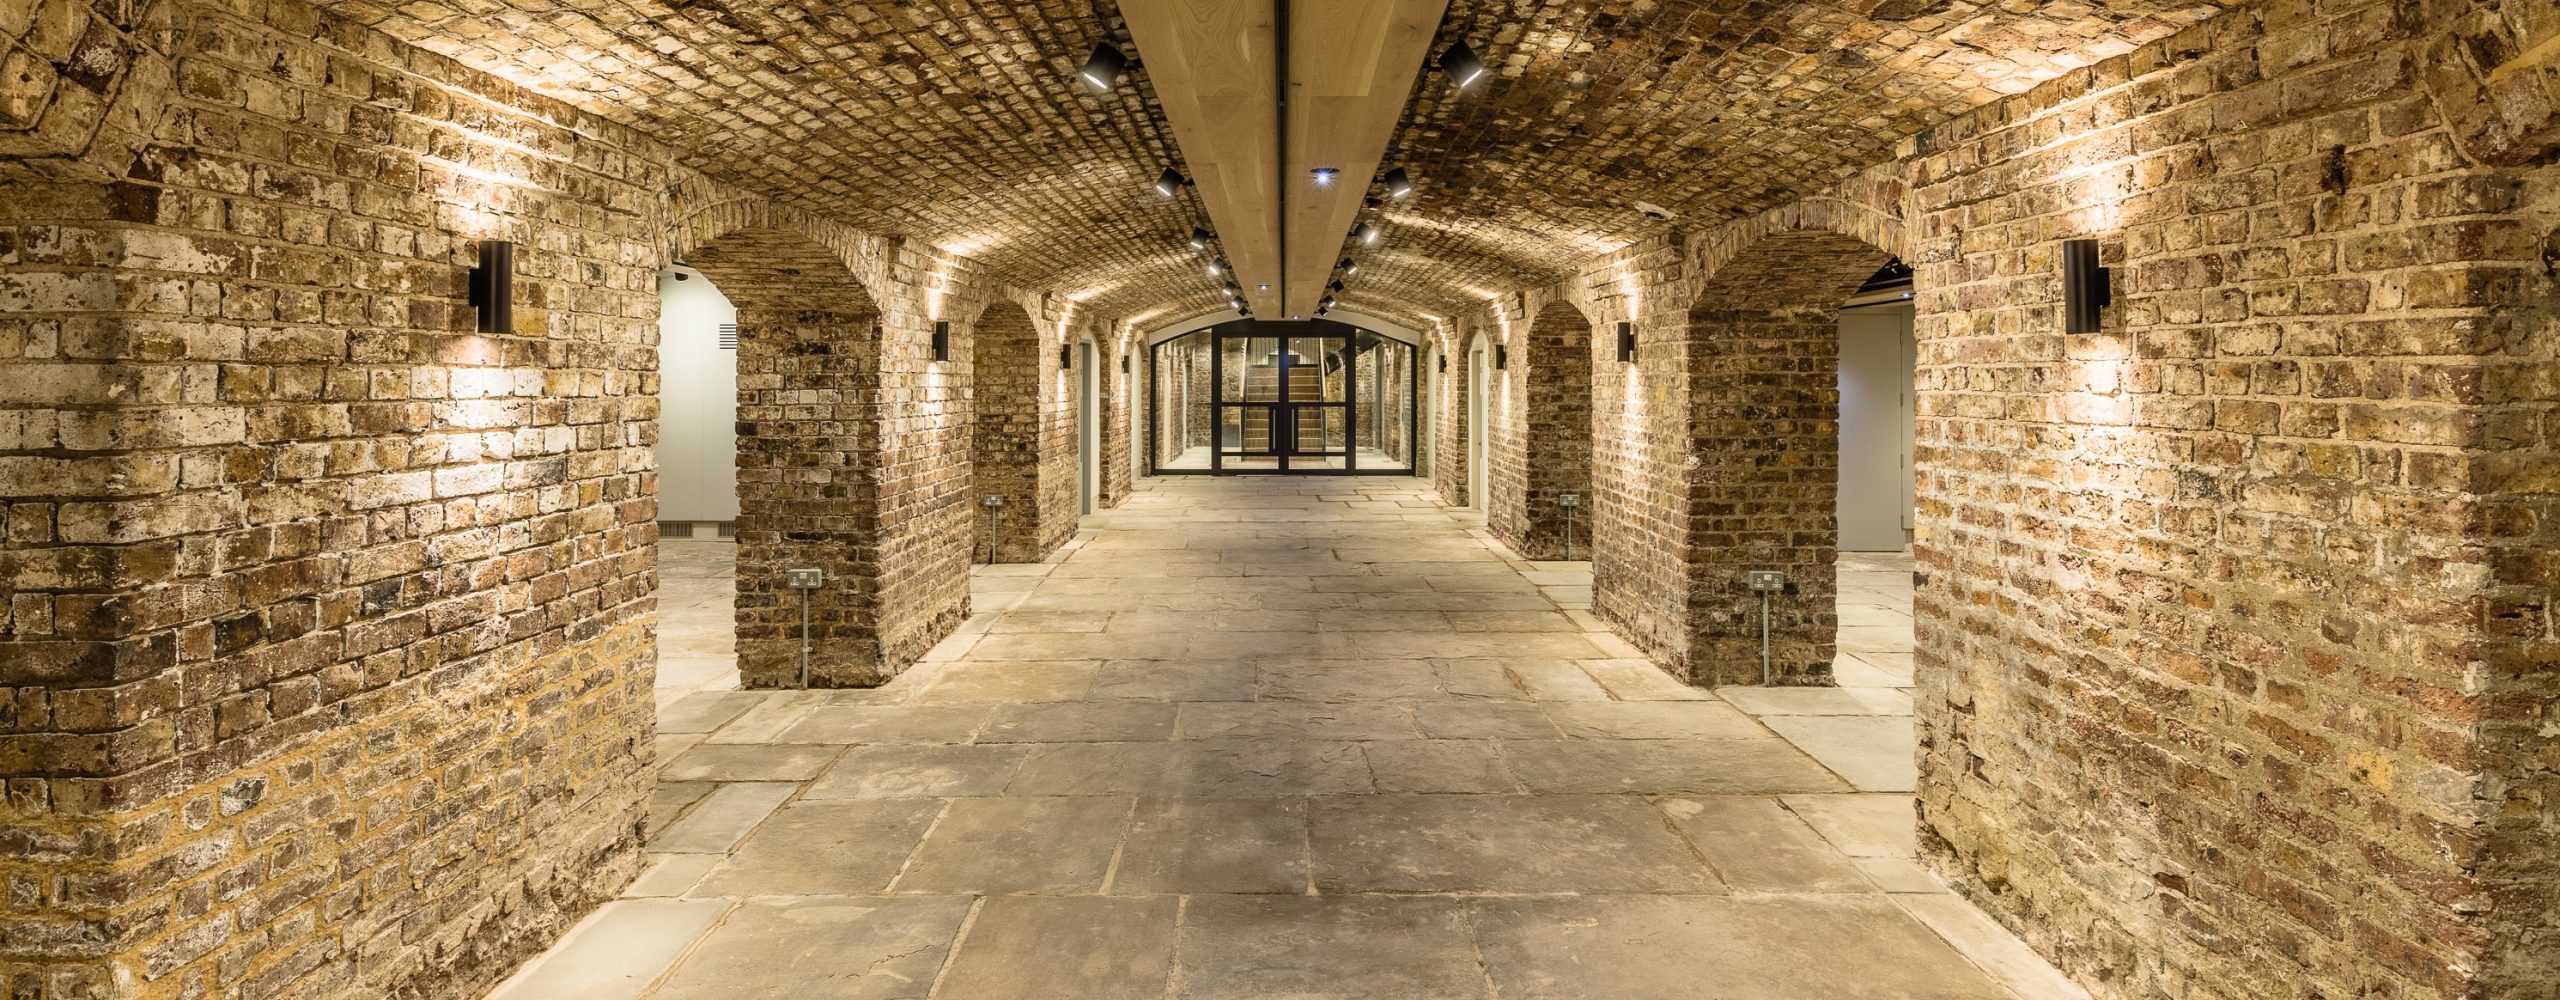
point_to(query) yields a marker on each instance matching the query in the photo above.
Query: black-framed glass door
(1296, 397)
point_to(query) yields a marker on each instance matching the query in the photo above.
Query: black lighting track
(1280, 93)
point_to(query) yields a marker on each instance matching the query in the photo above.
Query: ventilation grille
(728, 336)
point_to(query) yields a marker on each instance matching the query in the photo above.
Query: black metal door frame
(1284, 411)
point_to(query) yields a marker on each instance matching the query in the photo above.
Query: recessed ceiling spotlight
(1102, 69)
(1398, 185)
(1324, 176)
(1462, 65)
(1199, 238)
(1170, 182)
(1266, 286)
(1367, 234)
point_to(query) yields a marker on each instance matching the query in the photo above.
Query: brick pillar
(809, 457)
(1764, 433)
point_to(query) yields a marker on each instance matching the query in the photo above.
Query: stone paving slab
(1245, 742)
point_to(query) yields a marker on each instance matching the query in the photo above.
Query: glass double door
(1284, 403)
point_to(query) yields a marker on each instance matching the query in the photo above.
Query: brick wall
(2233, 634)
(1555, 359)
(327, 649)
(1005, 446)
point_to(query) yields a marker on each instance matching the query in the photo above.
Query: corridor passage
(1264, 738)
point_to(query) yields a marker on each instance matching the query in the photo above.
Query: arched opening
(1553, 519)
(1764, 450)
(1014, 426)
(808, 341)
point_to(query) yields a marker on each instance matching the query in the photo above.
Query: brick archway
(809, 454)
(1763, 446)
(1551, 516)
(1020, 440)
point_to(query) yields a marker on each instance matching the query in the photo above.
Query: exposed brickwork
(1764, 429)
(2224, 679)
(809, 456)
(1710, 110)
(327, 643)
(80, 82)
(1556, 356)
(1007, 426)
(961, 126)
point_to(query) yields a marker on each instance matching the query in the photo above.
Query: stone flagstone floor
(1306, 739)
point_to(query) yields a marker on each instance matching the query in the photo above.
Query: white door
(1876, 354)
(1477, 373)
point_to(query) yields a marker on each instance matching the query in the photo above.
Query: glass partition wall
(1258, 397)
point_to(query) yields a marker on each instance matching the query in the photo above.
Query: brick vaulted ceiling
(961, 123)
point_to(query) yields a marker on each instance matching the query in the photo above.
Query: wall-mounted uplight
(493, 287)
(942, 340)
(1066, 356)
(1398, 184)
(1462, 65)
(2085, 287)
(1124, 364)
(1102, 69)
(1444, 362)
(1626, 342)
(1501, 356)
(1170, 182)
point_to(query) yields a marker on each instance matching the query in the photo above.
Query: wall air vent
(728, 336)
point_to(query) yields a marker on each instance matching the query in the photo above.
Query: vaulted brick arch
(1763, 437)
(809, 456)
(1549, 514)
(1020, 440)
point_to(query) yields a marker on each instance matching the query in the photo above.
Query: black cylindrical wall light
(1501, 356)
(2085, 287)
(1066, 356)
(493, 287)
(1626, 342)
(942, 340)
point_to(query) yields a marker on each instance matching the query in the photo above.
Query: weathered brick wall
(2234, 640)
(1005, 445)
(360, 638)
(80, 84)
(1556, 356)
(1764, 426)
(809, 456)
(327, 646)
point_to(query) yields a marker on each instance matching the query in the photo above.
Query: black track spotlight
(1170, 182)
(1325, 302)
(1102, 69)
(1336, 286)
(1217, 267)
(1199, 238)
(1367, 234)
(1398, 185)
(1462, 64)
(1349, 266)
